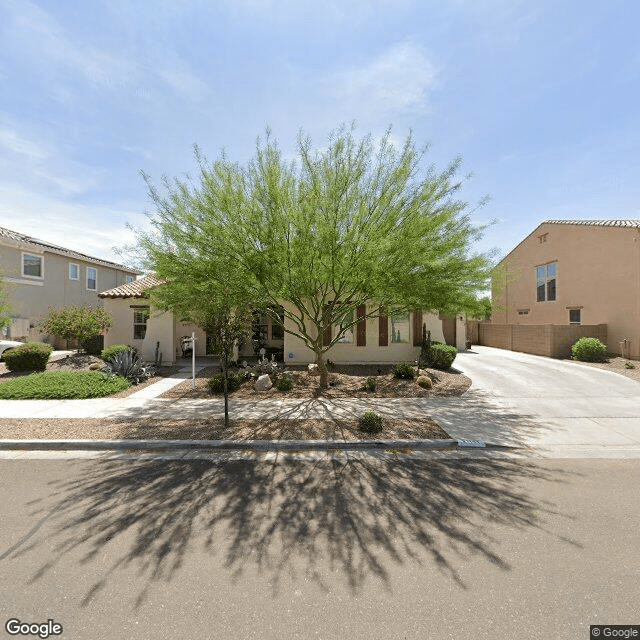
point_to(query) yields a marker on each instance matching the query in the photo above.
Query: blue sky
(540, 98)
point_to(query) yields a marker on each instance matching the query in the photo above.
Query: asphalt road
(461, 548)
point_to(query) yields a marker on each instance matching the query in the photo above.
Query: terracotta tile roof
(53, 248)
(133, 289)
(597, 223)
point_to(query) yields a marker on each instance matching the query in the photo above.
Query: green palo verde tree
(211, 300)
(350, 225)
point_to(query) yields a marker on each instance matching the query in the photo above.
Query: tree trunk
(322, 368)
(226, 391)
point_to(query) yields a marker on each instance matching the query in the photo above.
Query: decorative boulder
(263, 383)
(312, 369)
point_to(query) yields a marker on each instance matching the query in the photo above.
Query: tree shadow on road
(303, 519)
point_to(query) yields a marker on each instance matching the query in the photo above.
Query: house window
(92, 279)
(523, 312)
(31, 265)
(130, 279)
(346, 320)
(400, 327)
(140, 317)
(574, 316)
(74, 271)
(546, 282)
(542, 238)
(277, 325)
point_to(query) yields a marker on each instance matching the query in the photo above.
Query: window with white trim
(31, 265)
(92, 279)
(574, 316)
(74, 271)
(546, 282)
(140, 317)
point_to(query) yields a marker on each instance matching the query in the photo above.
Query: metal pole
(193, 360)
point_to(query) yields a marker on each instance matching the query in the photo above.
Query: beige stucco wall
(161, 327)
(598, 271)
(296, 352)
(30, 298)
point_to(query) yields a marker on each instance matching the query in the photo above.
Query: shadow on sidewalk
(290, 520)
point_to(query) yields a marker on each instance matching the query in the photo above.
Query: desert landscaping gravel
(213, 429)
(348, 382)
(617, 365)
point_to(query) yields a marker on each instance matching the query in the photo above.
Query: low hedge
(589, 350)
(285, 383)
(442, 355)
(371, 422)
(113, 350)
(404, 371)
(30, 356)
(54, 385)
(234, 380)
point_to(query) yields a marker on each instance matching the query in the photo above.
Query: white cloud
(181, 79)
(91, 229)
(39, 35)
(41, 163)
(15, 143)
(397, 80)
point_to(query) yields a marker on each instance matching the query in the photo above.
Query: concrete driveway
(559, 408)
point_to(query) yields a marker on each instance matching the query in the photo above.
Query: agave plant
(129, 365)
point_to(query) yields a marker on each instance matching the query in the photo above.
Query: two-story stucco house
(38, 275)
(575, 272)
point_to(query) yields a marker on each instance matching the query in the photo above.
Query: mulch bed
(213, 429)
(345, 381)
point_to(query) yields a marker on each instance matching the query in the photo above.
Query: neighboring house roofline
(628, 224)
(134, 289)
(22, 241)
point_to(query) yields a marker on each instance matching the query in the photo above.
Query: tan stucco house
(374, 340)
(574, 272)
(38, 275)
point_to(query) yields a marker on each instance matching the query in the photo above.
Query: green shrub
(371, 422)
(441, 356)
(370, 384)
(629, 365)
(589, 350)
(404, 371)
(93, 346)
(234, 380)
(424, 382)
(77, 323)
(110, 352)
(62, 385)
(31, 356)
(285, 383)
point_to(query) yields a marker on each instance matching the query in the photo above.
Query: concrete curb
(237, 445)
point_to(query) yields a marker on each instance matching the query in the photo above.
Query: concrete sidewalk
(516, 400)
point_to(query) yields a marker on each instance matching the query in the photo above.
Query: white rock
(263, 383)
(312, 368)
